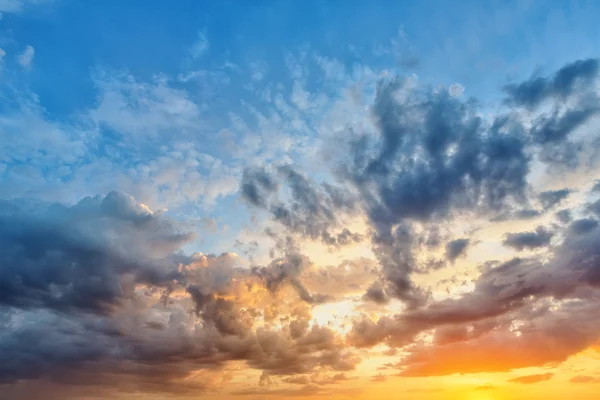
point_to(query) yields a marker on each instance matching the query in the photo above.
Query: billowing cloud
(100, 292)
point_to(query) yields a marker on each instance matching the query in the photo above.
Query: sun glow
(336, 315)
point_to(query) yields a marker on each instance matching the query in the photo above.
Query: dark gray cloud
(257, 185)
(594, 207)
(556, 127)
(574, 102)
(552, 198)
(376, 293)
(311, 211)
(563, 84)
(485, 170)
(561, 156)
(456, 248)
(529, 240)
(583, 226)
(518, 215)
(564, 216)
(287, 270)
(76, 257)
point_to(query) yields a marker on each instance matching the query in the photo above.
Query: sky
(299, 200)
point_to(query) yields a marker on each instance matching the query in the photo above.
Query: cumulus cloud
(100, 291)
(456, 89)
(26, 57)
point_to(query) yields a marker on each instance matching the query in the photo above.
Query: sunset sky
(317, 199)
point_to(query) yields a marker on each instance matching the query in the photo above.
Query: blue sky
(219, 61)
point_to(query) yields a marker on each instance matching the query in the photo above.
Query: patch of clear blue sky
(480, 44)
(464, 41)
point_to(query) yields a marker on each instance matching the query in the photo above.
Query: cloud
(101, 293)
(564, 216)
(313, 210)
(287, 271)
(565, 82)
(528, 240)
(583, 225)
(456, 89)
(556, 127)
(504, 293)
(584, 379)
(378, 378)
(462, 163)
(200, 46)
(542, 342)
(456, 248)
(594, 207)
(529, 379)
(553, 198)
(17, 6)
(26, 57)
(67, 258)
(570, 93)
(110, 271)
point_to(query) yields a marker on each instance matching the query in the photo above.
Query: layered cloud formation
(352, 224)
(101, 291)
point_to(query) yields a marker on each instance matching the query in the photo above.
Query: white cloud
(200, 46)
(258, 70)
(456, 89)
(26, 57)
(16, 6)
(143, 110)
(300, 97)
